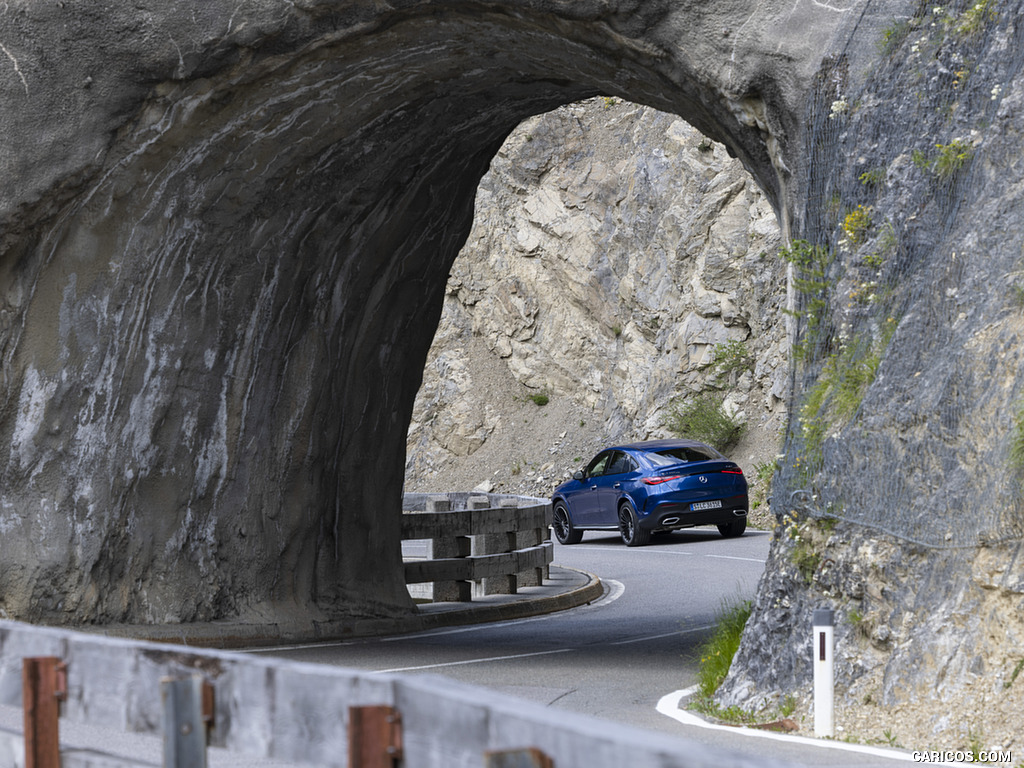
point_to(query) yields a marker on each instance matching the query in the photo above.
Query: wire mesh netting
(907, 408)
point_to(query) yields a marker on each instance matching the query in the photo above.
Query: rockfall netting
(907, 415)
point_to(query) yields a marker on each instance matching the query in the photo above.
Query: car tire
(562, 523)
(632, 534)
(733, 529)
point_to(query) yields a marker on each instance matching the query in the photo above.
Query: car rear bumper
(673, 515)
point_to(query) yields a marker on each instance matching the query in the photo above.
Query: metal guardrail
(479, 545)
(256, 709)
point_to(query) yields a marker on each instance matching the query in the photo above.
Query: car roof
(657, 445)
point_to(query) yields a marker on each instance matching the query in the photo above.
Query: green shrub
(813, 424)
(874, 260)
(873, 177)
(761, 488)
(947, 161)
(836, 396)
(731, 357)
(853, 376)
(703, 418)
(540, 399)
(893, 36)
(974, 19)
(787, 706)
(810, 264)
(764, 471)
(806, 560)
(951, 158)
(1017, 441)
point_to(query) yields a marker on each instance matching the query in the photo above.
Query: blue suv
(658, 485)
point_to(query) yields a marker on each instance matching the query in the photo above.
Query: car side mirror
(577, 475)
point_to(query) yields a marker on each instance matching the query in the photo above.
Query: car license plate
(699, 505)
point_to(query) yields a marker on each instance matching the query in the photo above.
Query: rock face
(613, 249)
(225, 237)
(901, 491)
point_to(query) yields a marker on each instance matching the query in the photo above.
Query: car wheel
(632, 534)
(733, 529)
(564, 532)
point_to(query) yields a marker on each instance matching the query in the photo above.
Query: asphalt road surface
(615, 659)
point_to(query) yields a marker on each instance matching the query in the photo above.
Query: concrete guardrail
(476, 544)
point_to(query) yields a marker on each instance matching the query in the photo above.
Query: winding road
(616, 658)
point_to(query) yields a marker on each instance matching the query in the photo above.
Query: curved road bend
(614, 659)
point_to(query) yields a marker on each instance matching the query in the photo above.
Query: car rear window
(675, 455)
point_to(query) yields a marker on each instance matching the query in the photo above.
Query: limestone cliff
(613, 248)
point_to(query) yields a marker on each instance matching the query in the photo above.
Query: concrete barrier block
(296, 712)
(309, 717)
(17, 643)
(443, 723)
(103, 686)
(12, 749)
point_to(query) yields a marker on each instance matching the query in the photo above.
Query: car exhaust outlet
(670, 521)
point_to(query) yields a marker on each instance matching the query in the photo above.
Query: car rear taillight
(733, 471)
(660, 480)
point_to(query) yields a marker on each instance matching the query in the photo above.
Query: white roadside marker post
(824, 708)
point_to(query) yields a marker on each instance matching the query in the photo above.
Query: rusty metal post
(44, 684)
(518, 758)
(374, 737)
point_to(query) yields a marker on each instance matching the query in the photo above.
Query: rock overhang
(225, 251)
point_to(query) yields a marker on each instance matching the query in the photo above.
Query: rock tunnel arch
(220, 295)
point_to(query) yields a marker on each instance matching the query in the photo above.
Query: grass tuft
(717, 653)
(1013, 675)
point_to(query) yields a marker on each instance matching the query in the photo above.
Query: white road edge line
(470, 661)
(615, 591)
(666, 634)
(668, 705)
(682, 552)
(458, 630)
